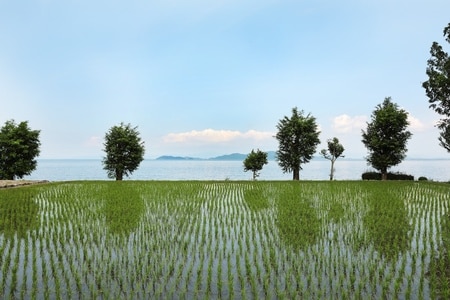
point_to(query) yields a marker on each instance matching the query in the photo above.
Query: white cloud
(346, 124)
(94, 141)
(415, 124)
(215, 136)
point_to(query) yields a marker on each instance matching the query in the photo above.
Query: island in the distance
(232, 156)
(169, 157)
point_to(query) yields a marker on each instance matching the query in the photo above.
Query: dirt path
(17, 183)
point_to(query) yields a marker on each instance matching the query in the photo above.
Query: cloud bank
(346, 124)
(215, 136)
(416, 125)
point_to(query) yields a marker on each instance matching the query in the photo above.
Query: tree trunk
(332, 170)
(384, 174)
(254, 175)
(119, 175)
(296, 174)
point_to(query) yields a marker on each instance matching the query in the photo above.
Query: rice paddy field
(230, 239)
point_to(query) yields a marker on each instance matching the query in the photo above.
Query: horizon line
(187, 157)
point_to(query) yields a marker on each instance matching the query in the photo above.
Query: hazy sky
(204, 78)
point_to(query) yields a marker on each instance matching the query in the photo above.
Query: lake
(91, 169)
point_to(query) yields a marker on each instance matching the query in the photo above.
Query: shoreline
(19, 183)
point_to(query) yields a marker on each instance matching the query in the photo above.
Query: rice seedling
(195, 239)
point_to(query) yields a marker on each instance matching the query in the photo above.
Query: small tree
(255, 161)
(386, 136)
(19, 147)
(298, 138)
(334, 151)
(437, 87)
(124, 151)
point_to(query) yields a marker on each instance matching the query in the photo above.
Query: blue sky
(205, 78)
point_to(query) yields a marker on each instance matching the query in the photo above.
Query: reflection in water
(18, 211)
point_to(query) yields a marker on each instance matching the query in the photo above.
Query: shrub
(400, 176)
(390, 176)
(371, 176)
(423, 178)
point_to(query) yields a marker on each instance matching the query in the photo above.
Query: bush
(422, 178)
(400, 176)
(371, 176)
(390, 176)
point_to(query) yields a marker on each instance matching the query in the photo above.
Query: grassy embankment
(140, 239)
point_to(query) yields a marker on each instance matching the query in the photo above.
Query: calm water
(75, 169)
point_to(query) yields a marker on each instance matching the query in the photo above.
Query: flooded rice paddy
(230, 239)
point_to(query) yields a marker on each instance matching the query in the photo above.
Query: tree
(124, 151)
(437, 87)
(386, 136)
(19, 147)
(334, 151)
(255, 161)
(298, 138)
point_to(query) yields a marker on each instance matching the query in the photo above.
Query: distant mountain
(239, 156)
(169, 157)
(227, 157)
(233, 156)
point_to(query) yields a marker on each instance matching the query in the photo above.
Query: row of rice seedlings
(199, 240)
(400, 271)
(247, 259)
(220, 236)
(241, 248)
(439, 247)
(83, 255)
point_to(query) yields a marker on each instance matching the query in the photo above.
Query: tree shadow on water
(123, 208)
(18, 211)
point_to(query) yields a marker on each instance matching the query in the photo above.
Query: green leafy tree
(298, 138)
(124, 151)
(334, 151)
(255, 161)
(437, 87)
(19, 147)
(386, 136)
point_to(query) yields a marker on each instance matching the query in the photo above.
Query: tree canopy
(334, 151)
(298, 138)
(255, 161)
(124, 151)
(437, 87)
(19, 147)
(386, 136)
